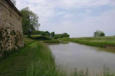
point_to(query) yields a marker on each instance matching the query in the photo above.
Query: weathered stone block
(11, 35)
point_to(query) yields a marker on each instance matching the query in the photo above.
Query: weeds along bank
(35, 59)
(94, 41)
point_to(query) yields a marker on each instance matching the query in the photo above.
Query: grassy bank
(94, 41)
(34, 59)
(47, 39)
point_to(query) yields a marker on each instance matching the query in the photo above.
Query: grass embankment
(34, 59)
(46, 39)
(94, 41)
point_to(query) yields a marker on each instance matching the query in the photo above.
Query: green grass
(34, 59)
(52, 41)
(95, 41)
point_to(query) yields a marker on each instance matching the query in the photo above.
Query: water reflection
(70, 56)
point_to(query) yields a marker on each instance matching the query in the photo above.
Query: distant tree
(99, 34)
(102, 34)
(65, 35)
(52, 34)
(46, 33)
(29, 21)
(61, 35)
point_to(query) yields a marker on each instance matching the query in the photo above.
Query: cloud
(89, 25)
(77, 17)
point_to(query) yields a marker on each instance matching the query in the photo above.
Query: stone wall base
(10, 40)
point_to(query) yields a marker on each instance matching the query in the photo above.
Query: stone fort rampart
(11, 34)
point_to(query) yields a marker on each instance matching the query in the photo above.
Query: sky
(79, 18)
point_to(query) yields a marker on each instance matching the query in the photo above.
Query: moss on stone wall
(9, 40)
(11, 35)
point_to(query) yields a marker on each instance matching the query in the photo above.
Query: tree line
(30, 24)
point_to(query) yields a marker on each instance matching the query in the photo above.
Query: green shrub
(38, 37)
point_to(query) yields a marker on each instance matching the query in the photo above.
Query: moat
(71, 56)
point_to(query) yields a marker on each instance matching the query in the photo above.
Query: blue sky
(79, 18)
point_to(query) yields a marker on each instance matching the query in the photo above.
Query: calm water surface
(71, 56)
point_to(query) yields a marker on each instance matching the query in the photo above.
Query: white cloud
(89, 25)
(69, 21)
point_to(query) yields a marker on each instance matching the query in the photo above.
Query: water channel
(71, 56)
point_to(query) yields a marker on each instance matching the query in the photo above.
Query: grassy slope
(99, 41)
(34, 59)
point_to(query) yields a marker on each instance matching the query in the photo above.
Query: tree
(52, 34)
(46, 33)
(65, 35)
(99, 34)
(29, 21)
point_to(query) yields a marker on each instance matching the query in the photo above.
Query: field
(94, 41)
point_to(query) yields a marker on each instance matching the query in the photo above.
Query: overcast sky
(77, 17)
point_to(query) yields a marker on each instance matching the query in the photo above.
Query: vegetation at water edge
(94, 41)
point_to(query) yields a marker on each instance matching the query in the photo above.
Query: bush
(39, 37)
(64, 35)
(99, 34)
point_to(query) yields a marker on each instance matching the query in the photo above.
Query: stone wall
(11, 36)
